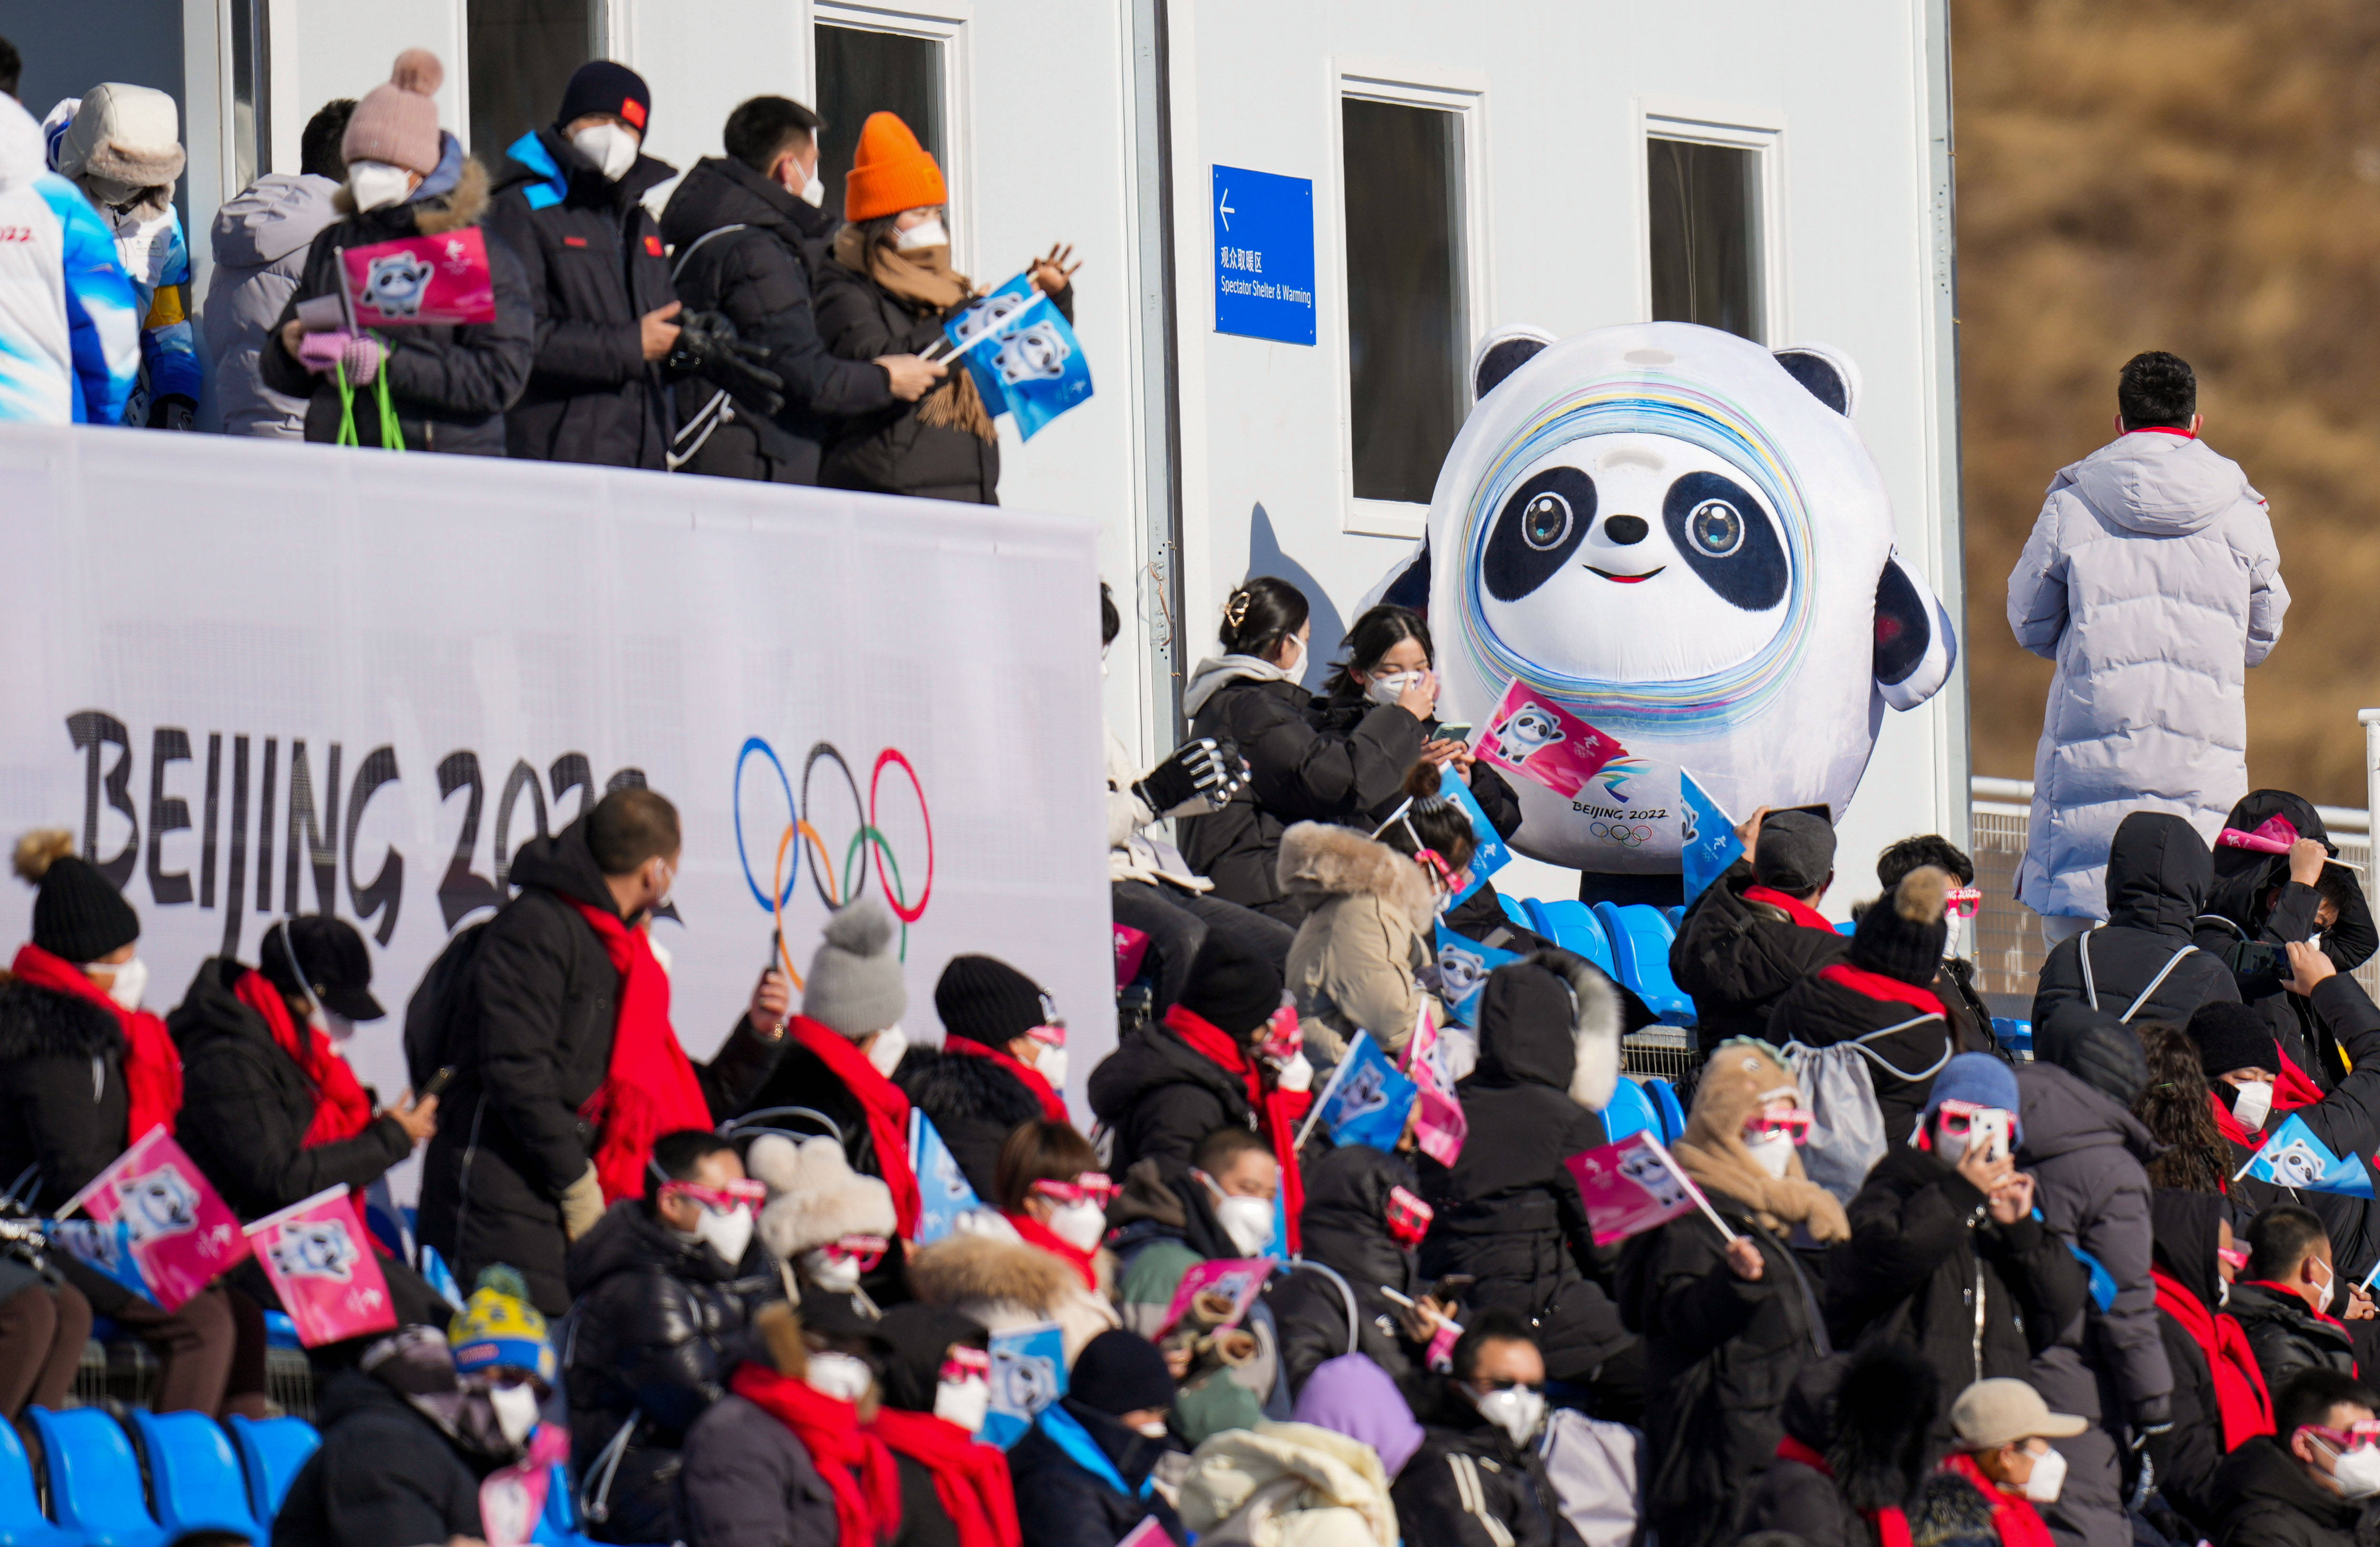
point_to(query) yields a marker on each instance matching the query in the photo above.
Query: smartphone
(1448, 1290)
(1990, 1131)
(2254, 958)
(1457, 731)
(435, 1085)
(1822, 811)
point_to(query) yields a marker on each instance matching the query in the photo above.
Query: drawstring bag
(392, 434)
(1847, 1125)
(1593, 1466)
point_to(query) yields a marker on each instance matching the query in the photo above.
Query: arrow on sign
(1223, 208)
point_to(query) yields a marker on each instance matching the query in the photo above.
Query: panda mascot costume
(1677, 536)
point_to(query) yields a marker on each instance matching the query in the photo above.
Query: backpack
(1847, 1135)
(437, 1000)
(1593, 1467)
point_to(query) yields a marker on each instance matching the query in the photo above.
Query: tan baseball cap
(1990, 1414)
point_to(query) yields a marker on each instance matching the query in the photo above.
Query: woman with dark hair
(1251, 696)
(1053, 1193)
(2173, 1107)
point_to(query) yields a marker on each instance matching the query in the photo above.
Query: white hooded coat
(2151, 579)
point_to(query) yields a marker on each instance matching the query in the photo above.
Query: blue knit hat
(1981, 1079)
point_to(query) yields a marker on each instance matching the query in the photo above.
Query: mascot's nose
(1624, 529)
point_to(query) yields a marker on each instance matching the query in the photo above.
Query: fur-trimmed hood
(815, 1197)
(965, 1270)
(43, 1023)
(1739, 1078)
(1319, 860)
(1564, 1033)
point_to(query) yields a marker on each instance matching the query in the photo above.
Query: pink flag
(2275, 835)
(414, 280)
(1631, 1186)
(512, 1499)
(1439, 1126)
(320, 1259)
(1539, 739)
(1241, 1278)
(184, 1234)
(1131, 947)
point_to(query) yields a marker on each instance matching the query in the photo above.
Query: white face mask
(132, 980)
(930, 233)
(1079, 1225)
(612, 148)
(728, 1233)
(963, 1403)
(836, 1275)
(372, 184)
(2222, 1293)
(1296, 667)
(2048, 1477)
(1154, 1429)
(2252, 1105)
(1050, 1065)
(331, 1024)
(1516, 1411)
(515, 1410)
(1247, 1221)
(1772, 1153)
(841, 1376)
(1386, 691)
(2357, 1474)
(1950, 937)
(886, 1050)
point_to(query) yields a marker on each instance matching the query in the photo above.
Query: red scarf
(2240, 1393)
(1876, 985)
(1279, 1110)
(1038, 1234)
(152, 1066)
(970, 1480)
(856, 1467)
(881, 1101)
(2229, 1127)
(1795, 908)
(341, 1108)
(2293, 1089)
(2013, 1516)
(1054, 1105)
(1891, 1526)
(648, 1089)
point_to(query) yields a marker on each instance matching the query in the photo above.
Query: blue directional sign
(1264, 255)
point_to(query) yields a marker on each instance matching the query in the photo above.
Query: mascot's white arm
(1908, 671)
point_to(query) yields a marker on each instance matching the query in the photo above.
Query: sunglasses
(2363, 1436)
(1793, 1122)
(1283, 1036)
(1090, 1186)
(964, 1363)
(864, 1250)
(1051, 1035)
(2235, 1257)
(1959, 1116)
(720, 1201)
(1408, 1217)
(1961, 902)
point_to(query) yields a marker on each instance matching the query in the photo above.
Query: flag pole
(1314, 1113)
(1692, 1190)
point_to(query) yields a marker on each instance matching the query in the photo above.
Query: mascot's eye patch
(1724, 536)
(1541, 525)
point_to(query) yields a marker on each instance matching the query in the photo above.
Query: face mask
(963, 1403)
(131, 978)
(372, 184)
(836, 1275)
(2252, 1105)
(1516, 1411)
(1154, 1429)
(515, 1410)
(2322, 1289)
(669, 882)
(1386, 691)
(1297, 1073)
(331, 1024)
(2222, 1293)
(1950, 937)
(610, 147)
(841, 1376)
(1772, 1153)
(1296, 667)
(886, 1050)
(1247, 1221)
(2048, 1477)
(1949, 1146)
(2357, 1474)
(728, 1233)
(930, 234)
(1080, 1225)
(1051, 1067)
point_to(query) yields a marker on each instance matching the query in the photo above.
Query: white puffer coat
(2153, 580)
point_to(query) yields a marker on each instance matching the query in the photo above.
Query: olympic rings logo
(1621, 833)
(868, 841)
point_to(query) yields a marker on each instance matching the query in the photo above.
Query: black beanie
(2231, 1036)
(1901, 934)
(79, 915)
(1794, 853)
(1120, 1372)
(600, 86)
(1232, 988)
(920, 1336)
(985, 1000)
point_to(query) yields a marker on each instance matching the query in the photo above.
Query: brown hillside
(2201, 178)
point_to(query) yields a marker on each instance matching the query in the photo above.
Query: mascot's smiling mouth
(1624, 580)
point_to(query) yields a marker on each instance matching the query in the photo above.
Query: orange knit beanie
(890, 172)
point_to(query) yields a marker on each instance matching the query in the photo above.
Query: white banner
(256, 678)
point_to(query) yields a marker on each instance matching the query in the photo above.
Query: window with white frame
(1408, 331)
(1703, 209)
(521, 55)
(863, 70)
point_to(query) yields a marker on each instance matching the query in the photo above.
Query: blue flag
(1022, 354)
(1367, 1101)
(2293, 1157)
(1493, 853)
(1462, 968)
(942, 1191)
(105, 1249)
(1028, 1374)
(1709, 844)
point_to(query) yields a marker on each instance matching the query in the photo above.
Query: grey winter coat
(2086, 1153)
(261, 239)
(749, 1481)
(2153, 581)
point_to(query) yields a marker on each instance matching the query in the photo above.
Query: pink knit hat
(397, 122)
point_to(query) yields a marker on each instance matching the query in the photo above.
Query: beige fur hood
(1318, 860)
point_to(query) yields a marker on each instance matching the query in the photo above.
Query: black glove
(1205, 767)
(706, 346)
(173, 411)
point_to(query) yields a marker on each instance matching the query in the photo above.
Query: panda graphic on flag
(1022, 354)
(2293, 1157)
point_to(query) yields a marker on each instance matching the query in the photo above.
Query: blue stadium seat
(94, 1479)
(1630, 1111)
(280, 1332)
(1516, 911)
(1569, 924)
(270, 1453)
(1673, 1117)
(2016, 1036)
(196, 1474)
(1677, 918)
(1640, 946)
(21, 1521)
(1848, 926)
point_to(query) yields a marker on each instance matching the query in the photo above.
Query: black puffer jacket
(1923, 1248)
(1345, 1229)
(384, 1476)
(2187, 1454)
(245, 1105)
(64, 1109)
(451, 386)
(1471, 1486)
(593, 256)
(2287, 1336)
(2263, 1498)
(1161, 1096)
(974, 1104)
(1720, 1354)
(1887, 1019)
(2237, 911)
(660, 1326)
(2159, 875)
(760, 277)
(1061, 1502)
(1737, 958)
(1299, 774)
(1507, 1212)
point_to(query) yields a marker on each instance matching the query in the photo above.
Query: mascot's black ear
(1827, 371)
(1410, 588)
(1502, 353)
